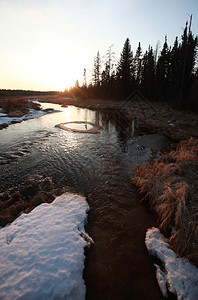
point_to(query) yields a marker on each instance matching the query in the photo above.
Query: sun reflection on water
(68, 113)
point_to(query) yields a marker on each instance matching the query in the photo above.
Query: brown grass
(25, 197)
(169, 186)
(17, 107)
(176, 124)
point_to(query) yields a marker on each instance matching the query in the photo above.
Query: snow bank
(31, 115)
(178, 275)
(42, 253)
(3, 115)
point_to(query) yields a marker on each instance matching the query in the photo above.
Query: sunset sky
(46, 44)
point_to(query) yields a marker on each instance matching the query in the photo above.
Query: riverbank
(17, 109)
(149, 116)
(169, 186)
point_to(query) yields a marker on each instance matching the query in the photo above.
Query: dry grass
(17, 107)
(163, 119)
(169, 186)
(25, 197)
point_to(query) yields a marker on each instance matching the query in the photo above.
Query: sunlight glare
(61, 74)
(68, 114)
(51, 69)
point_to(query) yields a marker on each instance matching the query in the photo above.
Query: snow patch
(31, 115)
(42, 253)
(179, 276)
(3, 115)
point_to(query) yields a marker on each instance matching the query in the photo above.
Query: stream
(99, 167)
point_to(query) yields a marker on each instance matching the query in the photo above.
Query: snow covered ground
(31, 115)
(42, 253)
(178, 275)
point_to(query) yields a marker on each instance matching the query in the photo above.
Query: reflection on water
(124, 126)
(99, 167)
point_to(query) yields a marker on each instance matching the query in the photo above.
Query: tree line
(170, 76)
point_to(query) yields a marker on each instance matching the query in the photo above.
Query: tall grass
(170, 187)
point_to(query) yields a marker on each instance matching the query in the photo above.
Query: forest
(169, 76)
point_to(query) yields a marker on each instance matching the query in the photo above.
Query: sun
(61, 75)
(52, 69)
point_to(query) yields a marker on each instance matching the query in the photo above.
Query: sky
(46, 44)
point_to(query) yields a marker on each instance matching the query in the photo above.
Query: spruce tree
(125, 70)
(137, 65)
(174, 62)
(110, 61)
(96, 71)
(84, 78)
(148, 72)
(188, 51)
(162, 72)
(172, 85)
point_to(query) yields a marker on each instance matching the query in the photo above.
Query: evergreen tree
(110, 61)
(125, 70)
(163, 71)
(137, 65)
(105, 82)
(96, 71)
(172, 82)
(156, 52)
(188, 50)
(148, 72)
(85, 78)
(174, 62)
(168, 76)
(108, 75)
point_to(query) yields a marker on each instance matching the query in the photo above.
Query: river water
(98, 166)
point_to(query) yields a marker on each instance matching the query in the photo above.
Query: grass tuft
(169, 186)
